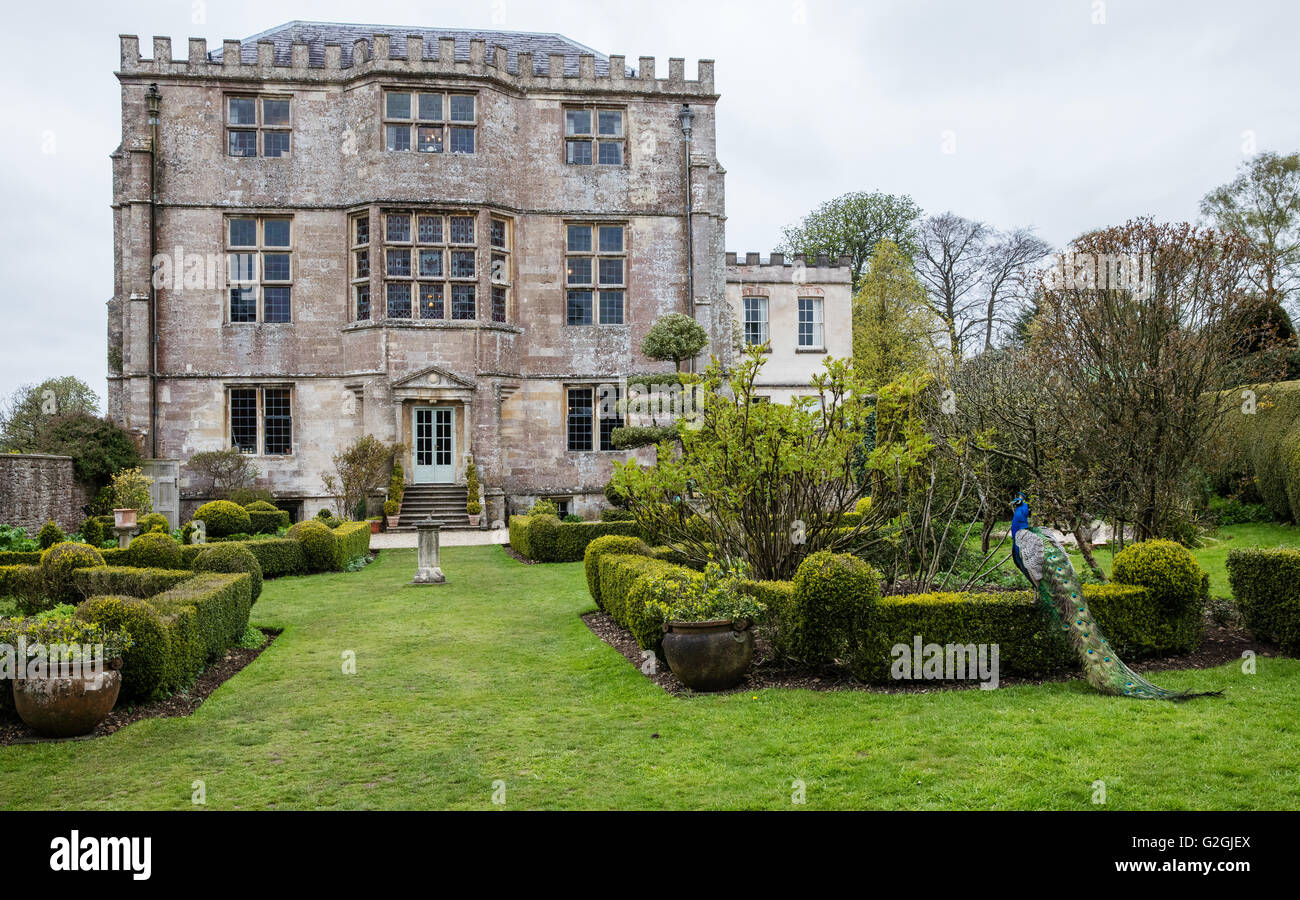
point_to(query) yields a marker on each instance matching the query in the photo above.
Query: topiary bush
(153, 522)
(49, 535)
(613, 544)
(222, 518)
(146, 663)
(24, 584)
(1169, 615)
(320, 547)
(835, 597)
(261, 506)
(57, 565)
(92, 532)
(1266, 586)
(154, 551)
(544, 507)
(231, 558)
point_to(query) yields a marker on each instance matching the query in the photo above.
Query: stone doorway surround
(435, 386)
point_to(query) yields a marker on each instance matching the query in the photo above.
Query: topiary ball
(230, 558)
(835, 597)
(49, 535)
(1166, 569)
(261, 506)
(92, 532)
(320, 546)
(155, 550)
(222, 518)
(146, 663)
(59, 562)
(151, 522)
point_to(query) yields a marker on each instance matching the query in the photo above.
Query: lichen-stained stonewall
(443, 238)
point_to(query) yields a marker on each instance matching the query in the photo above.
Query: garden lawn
(495, 677)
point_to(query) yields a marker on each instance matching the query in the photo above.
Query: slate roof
(317, 34)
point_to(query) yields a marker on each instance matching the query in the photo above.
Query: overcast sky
(1059, 114)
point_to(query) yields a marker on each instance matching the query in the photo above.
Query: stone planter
(473, 520)
(374, 526)
(125, 518)
(709, 656)
(69, 703)
(393, 520)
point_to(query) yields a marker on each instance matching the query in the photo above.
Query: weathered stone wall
(35, 488)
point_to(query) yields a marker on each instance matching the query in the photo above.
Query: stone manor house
(445, 238)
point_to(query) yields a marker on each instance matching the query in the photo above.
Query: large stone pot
(709, 656)
(69, 703)
(125, 518)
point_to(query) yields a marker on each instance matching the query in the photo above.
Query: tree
(950, 262)
(1263, 203)
(223, 471)
(1008, 265)
(360, 470)
(1137, 334)
(97, 446)
(852, 225)
(892, 323)
(31, 405)
(676, 337)
(764, 483)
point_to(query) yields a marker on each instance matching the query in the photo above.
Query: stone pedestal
(428, 569)
(123, 536)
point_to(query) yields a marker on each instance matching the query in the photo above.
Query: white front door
(435, 445)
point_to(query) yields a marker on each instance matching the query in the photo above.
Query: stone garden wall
(35, 488)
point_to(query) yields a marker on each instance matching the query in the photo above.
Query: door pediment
(433, 383)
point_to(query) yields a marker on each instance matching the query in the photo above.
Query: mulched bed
(1220, 645)
(517, 556)
(180, 704)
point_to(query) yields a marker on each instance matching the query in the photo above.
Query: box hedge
(354, 540)
(1266, 587)
(155, 550)
(58, 564)
(128, 580)
(176, 632)
(25, 585)
(610, 543)
(320, 546)
(223, 517)
(1260, 445)
(231, 557)
(545, 538)
(618, 578)
(835, 596)
(261, 521)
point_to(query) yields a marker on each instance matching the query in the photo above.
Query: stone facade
(489, 381)
(36, 488)
(778, 295)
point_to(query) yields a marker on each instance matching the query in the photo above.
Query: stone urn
(70, 701)
(125, 518)
(709, 656)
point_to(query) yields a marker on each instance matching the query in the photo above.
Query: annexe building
(445, 238)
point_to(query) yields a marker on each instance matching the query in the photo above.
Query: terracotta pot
(125, 518)
(709, 656)
(374, 526)
(69, 704)
(393, 520)
(473, 521)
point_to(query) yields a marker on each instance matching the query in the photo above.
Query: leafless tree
(1009, 277)
(950, 262)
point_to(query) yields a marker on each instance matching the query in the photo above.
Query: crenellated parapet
(390, 55)
(820, 261)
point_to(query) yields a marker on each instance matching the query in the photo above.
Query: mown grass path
(494, 677)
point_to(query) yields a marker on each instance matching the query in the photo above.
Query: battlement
(821, 261)
(387, 54)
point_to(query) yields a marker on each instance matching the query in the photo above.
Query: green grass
(494, 677)
(1212, 555)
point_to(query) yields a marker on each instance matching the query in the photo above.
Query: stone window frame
(599, 428)
(597, 287)
(817, 323)
(258, 128)
(593, 138)
(261, 417)
(360, 264)
(500, 267)
(259, 283)
(765, 336)
(445, 291)
(414, 122)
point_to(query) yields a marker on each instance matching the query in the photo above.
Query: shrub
(354, 540)
(128, 580)
(24, 584)
(1170, 616)
(57, 565)
(260, 506)
(156, 551)
(473, 506)
(152, 522)
(231, 558)
(545, 538)
(320, 547)
(20, 558)
(92, 532)
(616, 498)
(544, 507)
(835, 597)
(49, 535)
(573, 517)
(613, 544)
(1266, 585)
(223, 517)
(246, 495)
(777, 625)
(131, 490)
(396, 482)
(618, 575)
(617, 515)
(279, 556)
(1264, 448)
(651, 597)
(146, 664)
(391, 507)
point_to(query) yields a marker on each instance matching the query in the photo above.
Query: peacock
(1045, 563)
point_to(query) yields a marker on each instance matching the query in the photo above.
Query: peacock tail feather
(1060, 591)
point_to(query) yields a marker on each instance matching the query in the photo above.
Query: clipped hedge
(320, 546)
(619, 575)
(278, 556)
(835, 597)
(176, 632)
(20, 557)
(223, 517)
(1266, 587)
(58, 565)
(128, 580)
(610, 543)
(547, 539)
(354, 540)
(25, 585)
(1263, 446)
(232, 557)
(263, 521)
(1169, 616)
(154, 550)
